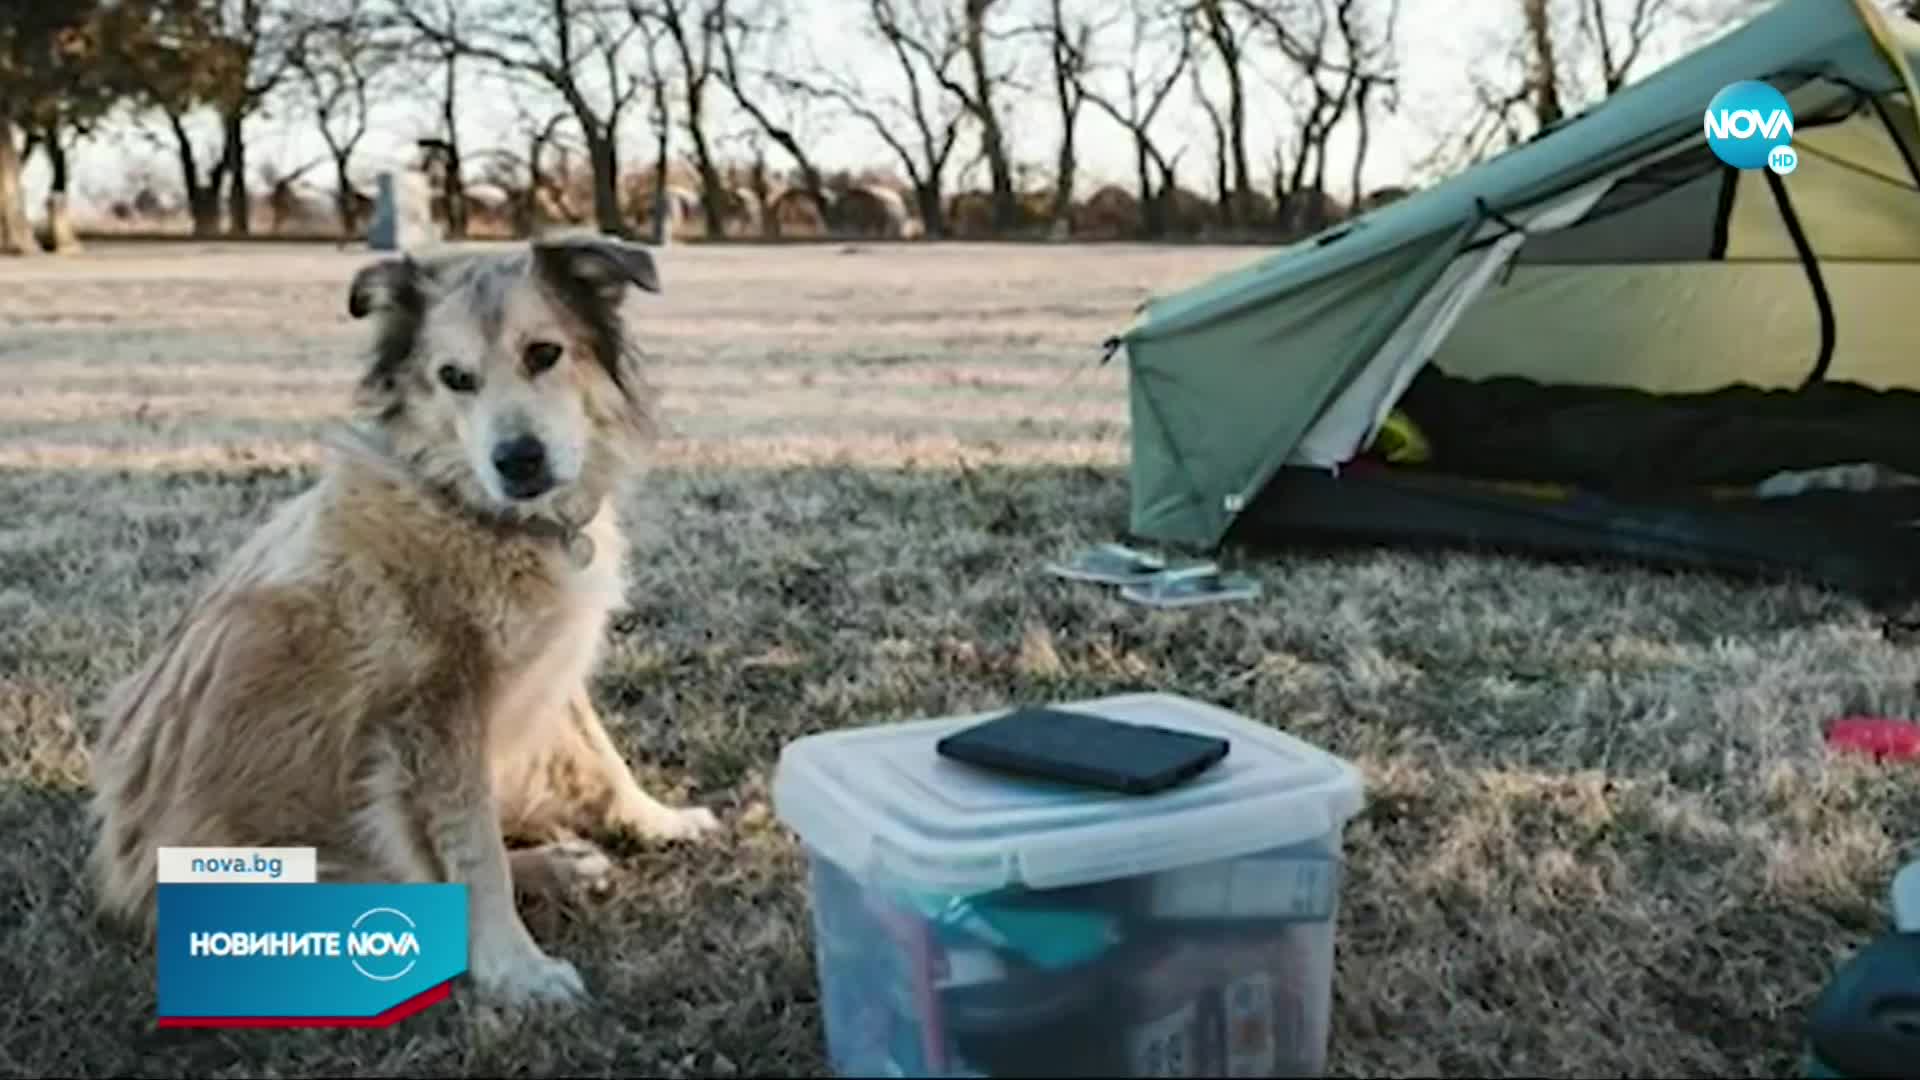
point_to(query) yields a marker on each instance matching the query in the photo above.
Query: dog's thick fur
(393, 668)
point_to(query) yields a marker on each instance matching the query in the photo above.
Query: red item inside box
(1881, 736)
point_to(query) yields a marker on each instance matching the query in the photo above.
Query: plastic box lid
(880, 802)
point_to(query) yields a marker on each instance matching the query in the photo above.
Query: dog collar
(372, 449)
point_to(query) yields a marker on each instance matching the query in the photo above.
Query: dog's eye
(541, 355)
(458, 381)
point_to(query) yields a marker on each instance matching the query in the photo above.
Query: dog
(393, 668)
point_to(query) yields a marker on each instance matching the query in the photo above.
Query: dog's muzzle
(523, 467)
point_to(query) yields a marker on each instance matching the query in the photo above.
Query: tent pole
(1811, 263)
(1906, 152)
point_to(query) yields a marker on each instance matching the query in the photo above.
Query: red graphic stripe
(416, 1004)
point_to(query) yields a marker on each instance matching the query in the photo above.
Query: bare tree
(16, 232)
(1159, 48)
(1217, 22)
(693, 28)
(742, 30)
(1342, 52)
(523, 175)
(1217, 126)
(1069, 48)
(1543, 63)
(1371, 89)
(924, 71)
(29, 80)
(929, 31)
(158, 50)
(282, 199)
(1619, 37)
(341, 57)
(254, 33)
(180, 56)
(758, 180)
(979, 101)
(1562, 56)
(445, 146)
(55, 82)
(576, 48)
(660, 108)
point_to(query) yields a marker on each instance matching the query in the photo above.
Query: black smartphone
(1080, 748)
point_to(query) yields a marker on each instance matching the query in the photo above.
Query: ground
(1603, 836)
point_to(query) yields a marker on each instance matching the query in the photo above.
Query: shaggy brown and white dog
(393, 669)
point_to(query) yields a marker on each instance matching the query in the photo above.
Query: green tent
(1611, 341)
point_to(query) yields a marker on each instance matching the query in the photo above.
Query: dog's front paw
(562, 868)
(580, 864)
(692, 821)
(539, 980)
(688, 822)
(668, 822)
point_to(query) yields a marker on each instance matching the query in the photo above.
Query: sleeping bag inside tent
(1601, 342)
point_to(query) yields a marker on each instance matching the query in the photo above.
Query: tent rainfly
(1601, 342)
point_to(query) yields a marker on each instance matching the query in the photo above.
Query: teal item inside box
(971, 923)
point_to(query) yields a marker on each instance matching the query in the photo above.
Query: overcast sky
(1440, 41)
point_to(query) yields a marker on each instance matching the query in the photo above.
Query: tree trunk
(713, 190)
(1164, 196)
(1289, 209)
(203, 199)
(16, 232)
(933, 212)
(1066, 165)
(1317, 218)
(1362, 137)
(528, 221)
(60, 234)
(1224, 42)
(1545, 74)
(1006, 203)
(993, 143)
(1237, 130)
(1222, 177)
(239, 200)
(204, 204)
(343, 202)
(456, 186)
(769, 222)
(1150, 216)
(662, 149)
(604, 154)
(1059, 215)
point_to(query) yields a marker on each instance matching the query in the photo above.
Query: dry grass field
(1603, 834)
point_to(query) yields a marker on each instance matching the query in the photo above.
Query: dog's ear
(601, 263)
(386, 284)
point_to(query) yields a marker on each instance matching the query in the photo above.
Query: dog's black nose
(522, 464)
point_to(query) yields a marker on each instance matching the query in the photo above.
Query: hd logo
(1750, 126)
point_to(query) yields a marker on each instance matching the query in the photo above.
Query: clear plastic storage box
(969, 923)
(1906, 899)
